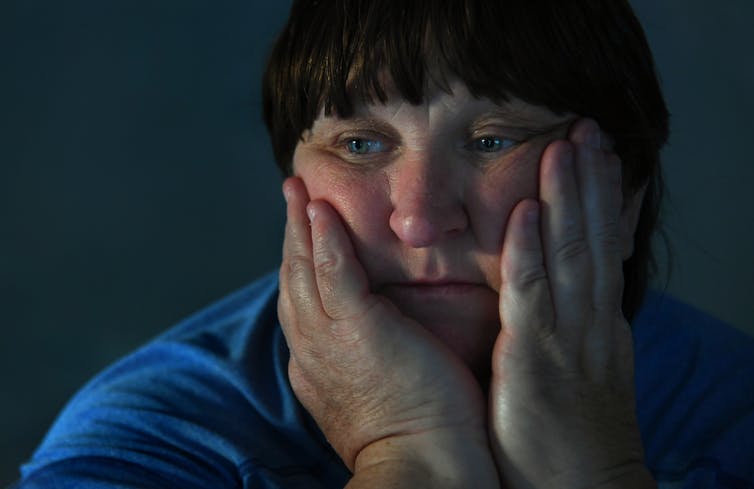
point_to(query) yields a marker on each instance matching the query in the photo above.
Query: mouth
(424, 290)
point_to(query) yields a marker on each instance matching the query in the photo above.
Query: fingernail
(594, 138)
(311, 212)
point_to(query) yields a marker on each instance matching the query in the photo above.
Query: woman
(440, 155)
(472, 188)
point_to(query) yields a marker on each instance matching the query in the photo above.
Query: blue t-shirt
(208, 405)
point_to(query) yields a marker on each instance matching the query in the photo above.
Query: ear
(629, 218)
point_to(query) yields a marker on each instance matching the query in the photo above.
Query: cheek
(359, 198)
(496, 195)
(499, 191)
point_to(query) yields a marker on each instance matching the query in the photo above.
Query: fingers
(321, 276)
(342, 282)
(298, 285)
(525, 301)
(599, 175)
(566, 276)
(581, 213)
(566, 249)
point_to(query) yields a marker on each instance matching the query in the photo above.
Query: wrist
(438, 459)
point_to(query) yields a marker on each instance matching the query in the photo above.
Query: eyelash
(382, 142)
(475, 145)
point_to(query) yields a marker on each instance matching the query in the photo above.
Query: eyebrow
(527, 126)
(358, 122)
(523, 118)
(364, 122)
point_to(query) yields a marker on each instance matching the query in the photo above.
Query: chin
(474, 350)
(467, 327)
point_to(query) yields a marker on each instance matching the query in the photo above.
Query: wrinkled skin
(527, 380)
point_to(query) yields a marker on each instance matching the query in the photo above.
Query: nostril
(415, 231)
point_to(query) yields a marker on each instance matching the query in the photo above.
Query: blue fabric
(208, 405)
(695, 396)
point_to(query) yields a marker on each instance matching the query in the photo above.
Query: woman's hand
(562, 408)
(391, 399)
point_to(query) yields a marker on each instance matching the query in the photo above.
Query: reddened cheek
(327, 178)
(360, 198)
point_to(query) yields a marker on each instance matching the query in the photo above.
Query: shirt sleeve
(206, 405)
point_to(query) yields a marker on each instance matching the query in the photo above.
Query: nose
(427, 204)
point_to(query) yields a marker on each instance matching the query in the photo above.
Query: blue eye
(361, 146)
(492, 144)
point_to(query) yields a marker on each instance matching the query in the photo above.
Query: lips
(428, 290)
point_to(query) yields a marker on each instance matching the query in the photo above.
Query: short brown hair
(589, 57)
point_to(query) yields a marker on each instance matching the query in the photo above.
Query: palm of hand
(361, 368)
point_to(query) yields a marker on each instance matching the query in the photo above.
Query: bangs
(589, 57)
(409, 48)
(498, 49)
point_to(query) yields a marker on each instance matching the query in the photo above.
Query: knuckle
(571, 247)
(521, 274)
(527, 276)
(297, 266)
(607, 234)
(336, 310)
(326, 262)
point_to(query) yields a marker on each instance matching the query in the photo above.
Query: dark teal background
(137, 184)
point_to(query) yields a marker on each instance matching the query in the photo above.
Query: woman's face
(425, 193)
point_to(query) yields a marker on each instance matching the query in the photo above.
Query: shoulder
(694, 384)
(206, 404)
